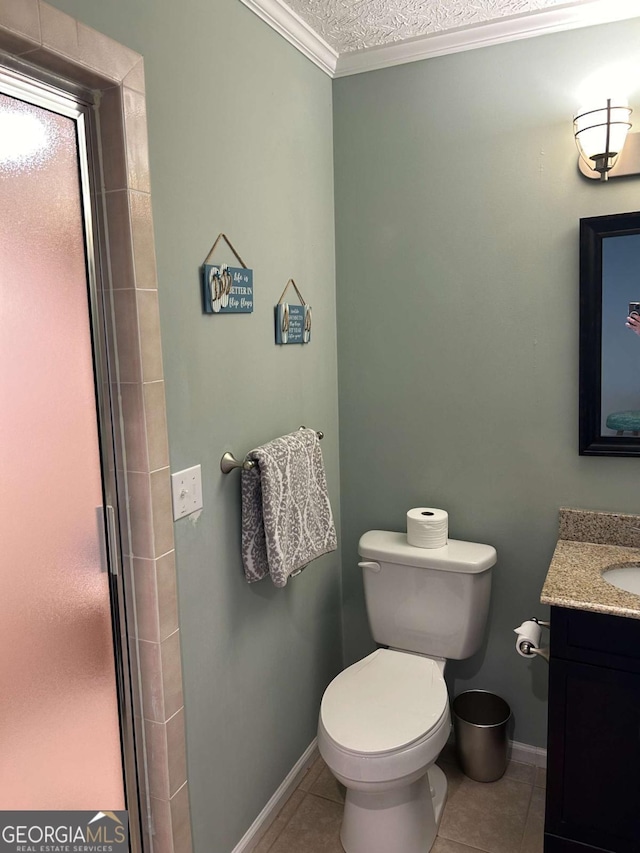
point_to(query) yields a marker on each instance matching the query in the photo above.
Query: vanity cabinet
(593, 758)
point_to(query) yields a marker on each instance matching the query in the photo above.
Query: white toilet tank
(433, 601)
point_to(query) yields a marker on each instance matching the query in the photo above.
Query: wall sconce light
(600, 135)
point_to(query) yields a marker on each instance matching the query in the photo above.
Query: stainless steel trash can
(480, 724)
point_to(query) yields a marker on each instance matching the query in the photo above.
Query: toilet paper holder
(528, 649)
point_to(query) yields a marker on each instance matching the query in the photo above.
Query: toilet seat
(384, 703)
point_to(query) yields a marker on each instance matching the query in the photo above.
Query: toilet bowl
(383, 722)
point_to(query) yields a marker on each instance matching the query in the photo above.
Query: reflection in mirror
(620, 393)
(609, 346)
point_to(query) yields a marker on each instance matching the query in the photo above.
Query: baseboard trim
(527, 754)
(268, 814)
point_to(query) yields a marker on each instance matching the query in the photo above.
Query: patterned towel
(286, 514)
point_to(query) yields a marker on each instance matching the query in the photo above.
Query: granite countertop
(589, 543)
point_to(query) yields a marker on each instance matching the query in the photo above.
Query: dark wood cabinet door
(593, 793)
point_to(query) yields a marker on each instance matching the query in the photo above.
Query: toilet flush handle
(374, 567)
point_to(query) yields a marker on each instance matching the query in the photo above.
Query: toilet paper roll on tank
(427, 527)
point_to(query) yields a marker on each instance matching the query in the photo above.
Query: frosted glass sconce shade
(600, 134)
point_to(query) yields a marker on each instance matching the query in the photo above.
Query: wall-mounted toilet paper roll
(427, 527)
(529, 632)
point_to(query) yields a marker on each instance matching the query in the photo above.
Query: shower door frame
(79, 107)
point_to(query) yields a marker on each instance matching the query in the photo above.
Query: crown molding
(296, 31)
(541, 22)
(508, 29)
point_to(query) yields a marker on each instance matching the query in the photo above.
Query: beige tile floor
(506, 816)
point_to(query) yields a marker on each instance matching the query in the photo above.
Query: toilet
(385, 719)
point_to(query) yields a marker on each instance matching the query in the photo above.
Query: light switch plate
(186, 488)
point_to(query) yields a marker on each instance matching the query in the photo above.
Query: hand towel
(286, 514)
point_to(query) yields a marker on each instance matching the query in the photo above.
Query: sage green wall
(240, 138)
(457, 208)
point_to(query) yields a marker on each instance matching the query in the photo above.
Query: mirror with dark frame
(609, 343)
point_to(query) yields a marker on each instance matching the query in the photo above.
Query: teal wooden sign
(226, 289)
(292, 322)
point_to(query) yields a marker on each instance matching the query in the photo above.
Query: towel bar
(229, 461)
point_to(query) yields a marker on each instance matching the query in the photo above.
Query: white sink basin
(625, 576)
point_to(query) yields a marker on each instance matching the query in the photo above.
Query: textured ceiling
(349, 25)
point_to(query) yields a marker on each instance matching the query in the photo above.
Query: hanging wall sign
(226, 289)
(293, 322)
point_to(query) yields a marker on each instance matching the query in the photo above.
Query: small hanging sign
(293, 322)
(225, 289)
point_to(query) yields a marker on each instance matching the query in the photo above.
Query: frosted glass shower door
(59, 714)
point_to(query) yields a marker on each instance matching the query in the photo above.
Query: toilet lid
(384, 702)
